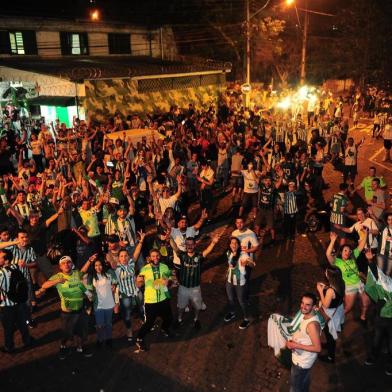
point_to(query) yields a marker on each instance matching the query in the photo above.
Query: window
(119, 43)
(18, 42)
(74, 43)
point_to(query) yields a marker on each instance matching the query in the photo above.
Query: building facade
(103, 67)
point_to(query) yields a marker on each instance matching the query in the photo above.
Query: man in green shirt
(156, 278)
(72, 292)
(366, 183)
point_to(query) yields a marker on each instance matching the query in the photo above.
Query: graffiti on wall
(106, 97)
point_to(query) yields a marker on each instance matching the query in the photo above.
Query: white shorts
(358, 288)
(191, 295)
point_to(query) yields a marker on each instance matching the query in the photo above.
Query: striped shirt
(5, 278)
(23, 210)
(126, 279)
(125, 229)
(280, 134)
(339, 202)
(302, 133)
(190, 270)
(290, 203)
(26, 254)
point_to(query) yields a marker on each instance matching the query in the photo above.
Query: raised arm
(328, 253)
(139, 246)
(210, 247)
(87, 264)
(200, 222)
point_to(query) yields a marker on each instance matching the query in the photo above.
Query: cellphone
(109, 164)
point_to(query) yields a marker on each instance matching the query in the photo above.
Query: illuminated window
(16, 42)
(74, 43)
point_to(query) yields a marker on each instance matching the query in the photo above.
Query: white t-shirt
(103, 288)
(166, 203)
(370, 225)
(250, 183)
(247, 238)
(179, 238)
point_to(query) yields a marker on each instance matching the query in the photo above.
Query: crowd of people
(108, 223)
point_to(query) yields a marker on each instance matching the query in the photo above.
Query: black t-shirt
(37, 237)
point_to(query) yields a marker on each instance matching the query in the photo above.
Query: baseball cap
(65, 259)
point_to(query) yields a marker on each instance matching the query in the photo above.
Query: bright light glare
(94, 15)
(303, 92)
(289, 2)
(285, 103)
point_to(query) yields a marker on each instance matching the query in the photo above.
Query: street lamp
(304, 39)
(94, 15)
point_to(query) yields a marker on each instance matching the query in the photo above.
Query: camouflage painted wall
(105, 97)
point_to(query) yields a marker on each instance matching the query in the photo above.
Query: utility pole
(304, 45)
(161, 42)
(247, 51)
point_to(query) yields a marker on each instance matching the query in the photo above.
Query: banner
(135, 135)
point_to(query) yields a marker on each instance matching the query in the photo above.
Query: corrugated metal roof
(108, 67)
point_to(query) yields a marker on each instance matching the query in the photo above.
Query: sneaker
(229, 316)
(388, 370)
(203, 306)
(63, 353)
(31, 323)
(369, 362)
(86, 353)
(245, 324)
(197, 325)
(140, 345)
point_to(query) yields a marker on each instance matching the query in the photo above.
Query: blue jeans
(126, 306)
(103, 320)
(238, 291)
(299, 379)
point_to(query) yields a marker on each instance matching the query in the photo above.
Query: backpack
(18, 291)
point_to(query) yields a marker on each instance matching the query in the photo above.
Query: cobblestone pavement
(219, 357)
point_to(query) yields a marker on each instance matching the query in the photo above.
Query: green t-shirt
(366, 184)
(71, 292)
(90, 220)
(155, 291)
(349, 269)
